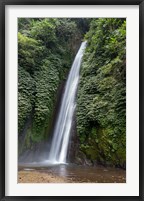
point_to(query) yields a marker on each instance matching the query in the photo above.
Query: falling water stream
(61, 135)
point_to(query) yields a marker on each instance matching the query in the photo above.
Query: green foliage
(23, 25)
(47, 81)
(44, 31)
(65, 29)
(44, 58)
(101, 110)
(25, 97)
(30, 51)
(83, 24)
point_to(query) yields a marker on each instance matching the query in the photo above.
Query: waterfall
(61, 135)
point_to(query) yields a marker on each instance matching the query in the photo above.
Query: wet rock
(88, 162)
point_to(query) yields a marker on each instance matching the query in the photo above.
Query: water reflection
(62, 170)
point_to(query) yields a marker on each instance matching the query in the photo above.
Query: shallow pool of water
(79, 174)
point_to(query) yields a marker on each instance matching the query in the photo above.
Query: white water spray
(61, 135)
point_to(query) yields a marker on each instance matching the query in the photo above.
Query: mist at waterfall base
(56, 152)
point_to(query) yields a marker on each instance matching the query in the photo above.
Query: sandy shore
(38, 177)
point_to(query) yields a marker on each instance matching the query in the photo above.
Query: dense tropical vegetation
(101, 110)
(45, 55)
(46, 48)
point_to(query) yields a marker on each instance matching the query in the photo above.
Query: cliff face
(101, 103)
